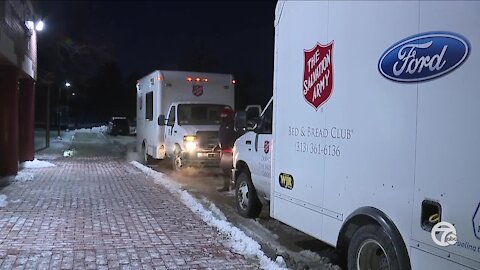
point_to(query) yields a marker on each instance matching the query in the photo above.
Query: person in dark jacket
(226, 137)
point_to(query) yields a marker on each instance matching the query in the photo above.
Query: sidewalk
(100, 212)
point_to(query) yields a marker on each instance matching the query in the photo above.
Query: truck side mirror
(253, 112)
(240, 121)
(161, 120)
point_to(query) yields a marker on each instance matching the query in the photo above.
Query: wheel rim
(243, 195)
(372, 256)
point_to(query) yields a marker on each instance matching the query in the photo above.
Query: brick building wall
(18, 72)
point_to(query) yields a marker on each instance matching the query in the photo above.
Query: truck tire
(146, 158)
(144, 154)
(246, 200)
(372, 248)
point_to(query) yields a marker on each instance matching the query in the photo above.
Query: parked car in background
(132, 127)
(118, 126)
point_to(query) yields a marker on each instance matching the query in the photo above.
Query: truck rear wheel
(372, 248)
(246, 200)
(145, 158)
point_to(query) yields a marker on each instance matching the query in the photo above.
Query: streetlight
(67, 84)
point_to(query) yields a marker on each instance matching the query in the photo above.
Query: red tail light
(227, 150)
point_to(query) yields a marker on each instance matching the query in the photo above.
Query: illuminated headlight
(191, 146)
(190, 143)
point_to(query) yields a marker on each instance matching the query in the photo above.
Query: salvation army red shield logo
(197, 90)
(318, 74)
(266, 147)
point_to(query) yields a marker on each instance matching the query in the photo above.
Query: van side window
(149, 106)
(265, 124)
(171, 117)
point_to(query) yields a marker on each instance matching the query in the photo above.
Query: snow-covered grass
(35, 164)
(68, 135)
(238, 240)
(100, 129)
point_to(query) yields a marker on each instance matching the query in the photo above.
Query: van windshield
(200, 114)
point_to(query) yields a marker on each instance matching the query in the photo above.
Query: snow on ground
(215, 210)
(69, 134)
(35, 164)
(100, 129)
(24, 176)
(3, 200)
(239, 241)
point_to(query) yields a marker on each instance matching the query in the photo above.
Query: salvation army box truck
(376, 124)
(178, 116)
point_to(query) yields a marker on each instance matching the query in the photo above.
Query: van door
(170, 131)
(261, 170)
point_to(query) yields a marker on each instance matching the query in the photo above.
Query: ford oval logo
(424, 56)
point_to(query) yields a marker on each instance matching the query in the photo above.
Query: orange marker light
(197, 79)
(205, 80)
(233, 81)
(189, 79)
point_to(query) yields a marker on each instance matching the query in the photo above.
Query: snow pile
(100, 129)
(3, 200)
(69, 153)
(24, 176)
(280, 261)
(217, 212)
(35, 164)
(239, 241)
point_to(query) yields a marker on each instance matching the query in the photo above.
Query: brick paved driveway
(102, 213)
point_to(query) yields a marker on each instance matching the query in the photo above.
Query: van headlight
(190, 142)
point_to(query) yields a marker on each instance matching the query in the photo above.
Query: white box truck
(178, 116)
(375, 131)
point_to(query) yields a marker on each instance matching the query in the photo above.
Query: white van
(375, 130)
(178, 116)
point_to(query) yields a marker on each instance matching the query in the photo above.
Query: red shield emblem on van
(318, 74)
(197, 90)
(266, 147)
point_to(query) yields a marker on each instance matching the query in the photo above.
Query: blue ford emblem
(424, 56)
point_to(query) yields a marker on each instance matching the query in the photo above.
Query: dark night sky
(235, 37)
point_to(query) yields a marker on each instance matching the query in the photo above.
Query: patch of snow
(24, 176)
(68, 153)
(238, 240)
(280, 261)
(218, 213)
(100, 129)
(35, 164)
(3, 200)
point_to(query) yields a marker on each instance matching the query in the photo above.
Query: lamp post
(67, 84)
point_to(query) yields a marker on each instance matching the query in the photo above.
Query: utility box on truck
(376, 124)
(178, 116)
